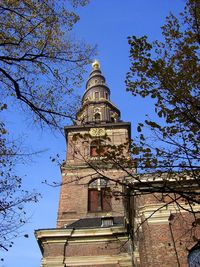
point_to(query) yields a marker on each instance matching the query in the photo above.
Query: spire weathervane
(96, 65)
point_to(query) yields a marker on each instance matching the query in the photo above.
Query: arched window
(112, 119)
(97, 148)
(194, 256)
(99, 196)
(96, 95)
(97, 117)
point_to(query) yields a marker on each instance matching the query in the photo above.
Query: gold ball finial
(96, 65)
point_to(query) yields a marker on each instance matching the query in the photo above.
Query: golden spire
(96, 65)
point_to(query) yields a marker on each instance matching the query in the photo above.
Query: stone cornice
(100, 125)
(102, 259)
(64, 233)
(147, 212)
(124, 259)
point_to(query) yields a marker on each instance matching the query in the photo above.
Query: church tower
(90, 224)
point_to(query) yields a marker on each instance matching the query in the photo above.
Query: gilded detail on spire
(96, 106)
(96, 65)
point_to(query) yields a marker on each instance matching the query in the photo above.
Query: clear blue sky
(106, 23)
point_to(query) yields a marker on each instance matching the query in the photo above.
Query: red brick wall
(70, 248)
(73, 202)
(165, 243)
(96, 248)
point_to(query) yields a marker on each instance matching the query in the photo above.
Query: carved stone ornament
(97, 131)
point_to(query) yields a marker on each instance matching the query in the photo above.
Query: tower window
(97, 117)
(99, 196)
(96, 95)
(106, 94)
(112, 119)
(97, 148)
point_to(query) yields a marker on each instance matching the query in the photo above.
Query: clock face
(97, 131)
(194, 258)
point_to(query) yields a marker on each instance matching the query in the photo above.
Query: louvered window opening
(99, 196)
